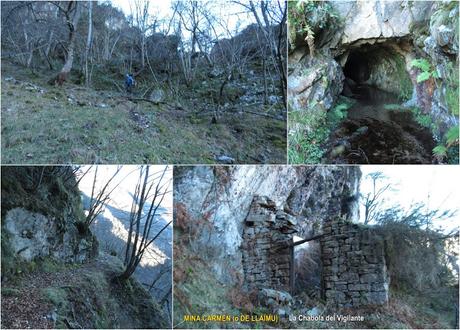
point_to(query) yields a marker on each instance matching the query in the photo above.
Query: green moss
(452, 90)
(57, 296)
(306, 143)
(10, 292)
(42, 190)
(403, 78)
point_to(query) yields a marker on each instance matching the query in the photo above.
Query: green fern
(440, 151)
(427, 70)
(452, 136)
(423, 76)
(421, 64)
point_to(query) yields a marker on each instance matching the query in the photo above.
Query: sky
(435, 185)
(129, 174)
(231, 13)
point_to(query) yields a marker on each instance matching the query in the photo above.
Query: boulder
(34, 235)
(314, 81)
(157, 95)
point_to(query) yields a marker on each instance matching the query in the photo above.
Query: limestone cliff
(218, 200)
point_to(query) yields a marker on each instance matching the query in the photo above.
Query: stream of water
(375, 133)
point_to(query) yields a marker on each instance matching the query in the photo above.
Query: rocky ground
(48, 124)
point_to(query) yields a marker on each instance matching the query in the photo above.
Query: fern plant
(427, 70)
(451, 140)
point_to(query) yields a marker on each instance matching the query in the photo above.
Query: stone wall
(354, 268)
(267, 233)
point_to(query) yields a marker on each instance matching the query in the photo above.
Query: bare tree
(141, 14)
(72, 13)
(149, 189)
(100, 195)
(276, 44)
(373, 200)
(88, 41)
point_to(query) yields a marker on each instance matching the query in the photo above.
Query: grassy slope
(63, 125)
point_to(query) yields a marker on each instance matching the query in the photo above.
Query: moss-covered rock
(41, 208)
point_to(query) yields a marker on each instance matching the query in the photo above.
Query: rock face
(354, 267)
(224, 195)
(250, 43)
(379, 19)
(33, 235)
(313, 81)
(41, 216)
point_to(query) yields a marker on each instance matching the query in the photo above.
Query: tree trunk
(143, 50)
(88, 41)
(72, 23)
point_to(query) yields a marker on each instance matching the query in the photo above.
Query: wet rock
(337, 151)
(397, 141)
(360, 131)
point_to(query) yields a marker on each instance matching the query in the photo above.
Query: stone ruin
(354, 267)
(267, 234)
(354, 270)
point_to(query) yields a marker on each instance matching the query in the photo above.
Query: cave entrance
(357, 67)
(376, 74)
(378, 127)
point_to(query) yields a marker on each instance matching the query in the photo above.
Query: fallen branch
(263, 115)
(134, 99)
(118, 87)
(137, 99)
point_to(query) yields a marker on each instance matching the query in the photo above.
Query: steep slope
(52, 273)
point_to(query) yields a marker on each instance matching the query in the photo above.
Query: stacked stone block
(354, 268)
(266, 236)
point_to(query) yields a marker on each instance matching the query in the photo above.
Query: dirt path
(24, 302)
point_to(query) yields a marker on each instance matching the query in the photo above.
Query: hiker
(129, 83)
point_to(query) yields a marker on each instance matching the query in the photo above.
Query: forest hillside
(85, 82)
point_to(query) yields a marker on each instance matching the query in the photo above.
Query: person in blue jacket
(129, 83)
